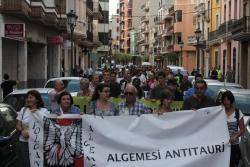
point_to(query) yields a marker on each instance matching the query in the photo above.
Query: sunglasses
(129, 93)
(200, 88)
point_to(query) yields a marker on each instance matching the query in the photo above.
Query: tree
(122, 58)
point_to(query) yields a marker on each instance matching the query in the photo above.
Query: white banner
(177, 139)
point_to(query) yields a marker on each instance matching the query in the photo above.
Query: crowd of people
(134, 84)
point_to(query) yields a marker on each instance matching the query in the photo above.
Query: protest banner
(187, 138)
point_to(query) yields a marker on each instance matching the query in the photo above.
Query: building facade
(172, 36)
(213, 41)
(125, 10)
(240, 31)
(35, 40)
(114, 27)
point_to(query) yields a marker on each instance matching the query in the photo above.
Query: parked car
(71, 84)
(176, 68)
(8, 136)
(242, 99)
(214, 86)
(16, 99)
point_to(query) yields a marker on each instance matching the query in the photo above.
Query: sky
(113, 6)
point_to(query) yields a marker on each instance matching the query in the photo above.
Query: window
(229, 12)
(234, 59)
(217, 22)
(178, 38)
(224, 61)
(216, 56)
(178, 15)
(225, 13)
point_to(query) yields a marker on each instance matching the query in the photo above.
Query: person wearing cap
(198, 99)
(174, 89)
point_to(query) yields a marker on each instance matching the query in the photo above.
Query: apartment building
(147, 30)
(172, 35)
(240, 30)
(202, 23)
(125, 10)
(103, 29)
(213, 41)
(35, 41)
(114, 27)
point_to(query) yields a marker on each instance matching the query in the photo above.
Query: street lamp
(71, 20)
(198, 36)
(181, 46)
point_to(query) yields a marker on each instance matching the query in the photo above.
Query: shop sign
(14, 30)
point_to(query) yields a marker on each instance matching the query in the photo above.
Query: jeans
(235, 155)
(23, 151)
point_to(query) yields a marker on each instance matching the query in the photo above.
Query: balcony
(200, 9)
(37, 12)
(17, 7)
(61, 6)
(167, 49)
(167, 17)
(192, 41)
(50, 19)
(171, 10)
(168, 32)
(224, 29)
(144, 19)
(157, 20)
(241, 29)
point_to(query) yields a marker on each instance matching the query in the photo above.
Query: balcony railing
(222, 30)
(168, 31)
(167, 49)
(144, 19)
(241, 29)
(15, 6)
(193, 41)
(241, 25)
(37, 12)
(157, 20)
(200, 9)
(51, 18)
